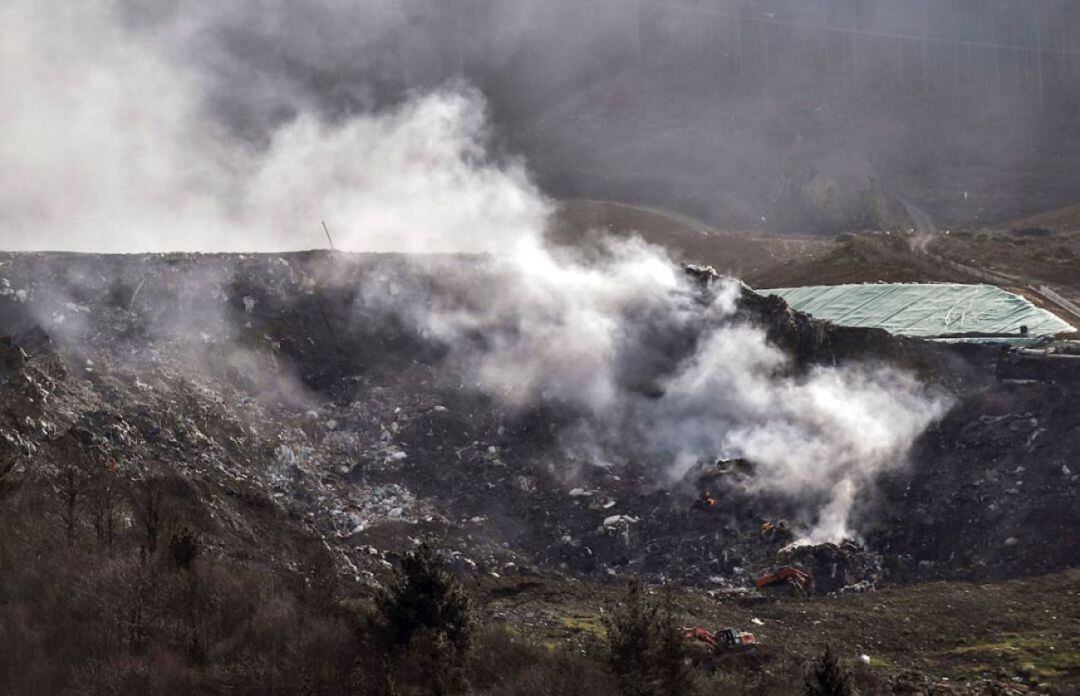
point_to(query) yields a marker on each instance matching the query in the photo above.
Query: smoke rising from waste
(595, 337)
(113, 150)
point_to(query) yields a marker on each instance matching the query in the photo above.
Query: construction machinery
(722, 641)
(705, 502)
(787, 577)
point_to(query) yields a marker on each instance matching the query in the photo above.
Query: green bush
(426, 621)
(646, 648)
(426, 596)
(827, 677)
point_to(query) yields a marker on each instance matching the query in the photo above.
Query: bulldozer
(787, 577)
(723, 641)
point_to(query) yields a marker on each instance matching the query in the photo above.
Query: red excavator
(724, 640)
(787, 577)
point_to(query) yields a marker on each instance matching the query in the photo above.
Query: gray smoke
(812, 115)
(585, 333)
(778, 113)
(111, 144)
(118, 138)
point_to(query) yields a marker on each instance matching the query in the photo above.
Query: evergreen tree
(426, 596)
(426, 618)
(827, 678)
(646, 649)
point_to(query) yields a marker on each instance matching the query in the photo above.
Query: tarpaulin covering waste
(926, 310)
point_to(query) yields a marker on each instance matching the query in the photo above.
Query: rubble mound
(268, 396)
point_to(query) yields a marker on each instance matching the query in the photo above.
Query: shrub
(426, 597)
(183, 547)
(505, 664)
(646, 650)
(425, 619)
(827, 677)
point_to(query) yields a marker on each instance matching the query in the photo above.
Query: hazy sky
(153, 125)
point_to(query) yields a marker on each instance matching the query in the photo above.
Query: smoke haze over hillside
(124, 117)
(113, 145)
(239, 129)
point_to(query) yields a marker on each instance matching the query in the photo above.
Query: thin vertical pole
(328, 238)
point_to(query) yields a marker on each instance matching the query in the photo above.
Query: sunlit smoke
(108, 147)
(110, 150)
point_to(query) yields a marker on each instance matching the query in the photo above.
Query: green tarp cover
(924, 310)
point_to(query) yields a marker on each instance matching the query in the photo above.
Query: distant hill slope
(1021, 262)
(1060, 220)
(860, 258)
(1037, 267)
(742, 254)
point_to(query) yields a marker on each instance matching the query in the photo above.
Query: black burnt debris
(265, 380)
(255, 407)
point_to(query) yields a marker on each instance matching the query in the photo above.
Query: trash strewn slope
(267, 376)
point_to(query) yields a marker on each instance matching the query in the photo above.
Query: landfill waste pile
(269, 374)
(274, 408)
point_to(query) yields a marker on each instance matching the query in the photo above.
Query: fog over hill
(787, 116)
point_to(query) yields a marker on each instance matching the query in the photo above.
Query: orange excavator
(787, 577)
(722, 641)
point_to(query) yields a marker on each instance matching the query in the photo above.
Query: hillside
(258, 407)
(418, 348)
(1012, 257)
(742, 254)
(1061, 220)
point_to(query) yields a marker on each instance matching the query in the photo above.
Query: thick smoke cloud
(816, 116)
(114, 142)
(777, 113)
(821, 437)
(100, 142)
(622, 340)
(111, 145)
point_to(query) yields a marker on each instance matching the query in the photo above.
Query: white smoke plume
(583, 334)
(107, 148)
(822, 436)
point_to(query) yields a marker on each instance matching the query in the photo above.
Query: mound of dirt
(265, 381)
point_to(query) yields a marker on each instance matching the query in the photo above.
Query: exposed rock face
(272, 398)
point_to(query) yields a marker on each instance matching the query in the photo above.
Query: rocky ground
(929, 638)
(276, 412)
